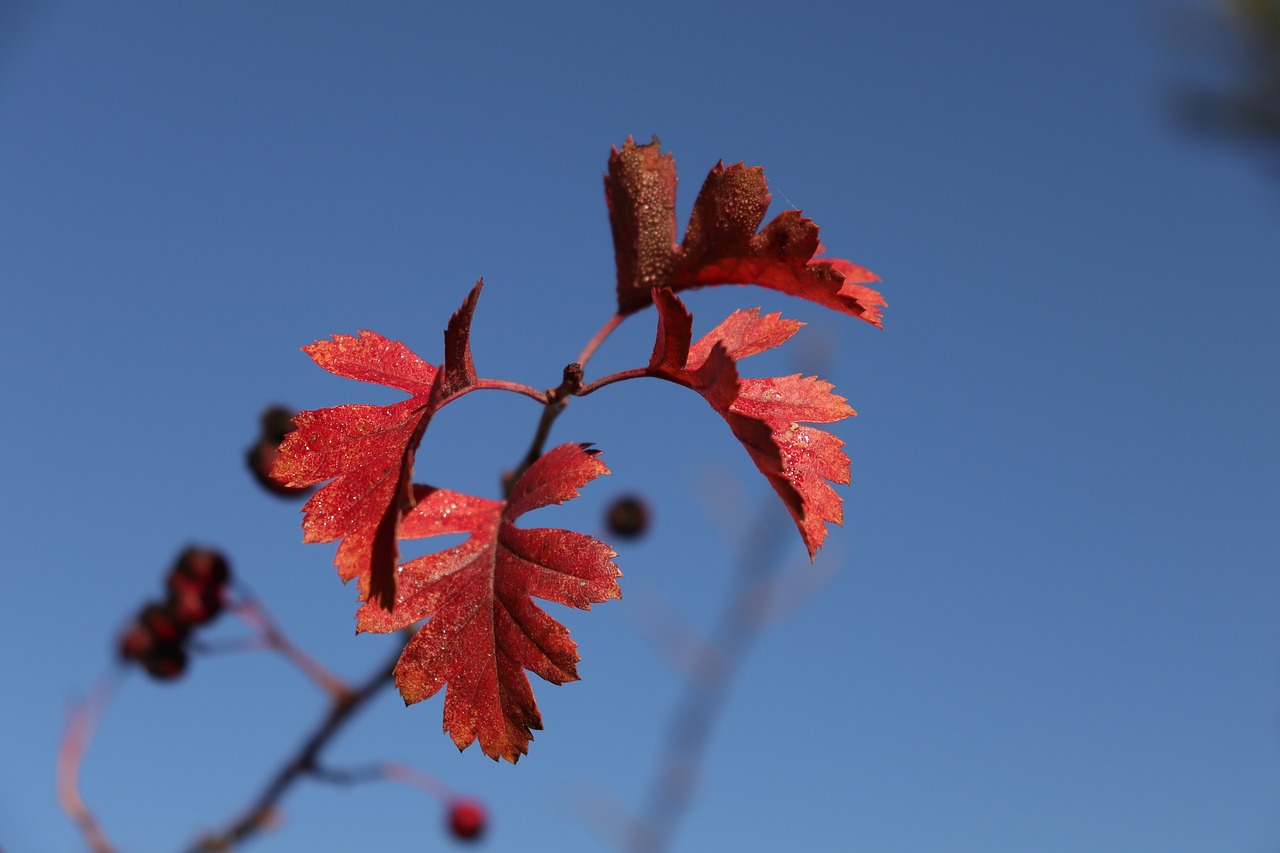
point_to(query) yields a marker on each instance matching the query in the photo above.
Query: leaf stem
(594, 344)
(633, 373)
(504, 385)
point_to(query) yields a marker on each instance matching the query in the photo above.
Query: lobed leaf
(368, 451)
(483, 629)
(764, 414)
(721, 244)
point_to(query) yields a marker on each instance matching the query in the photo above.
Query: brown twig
(594, 344)
(387, 771)
(304, 762)
(556, 399)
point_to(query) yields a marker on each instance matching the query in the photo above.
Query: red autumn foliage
(764, 414)
(368, 451)
(721, 245)
(484, 630)
(479, 629)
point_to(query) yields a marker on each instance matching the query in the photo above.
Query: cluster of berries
(156, 638)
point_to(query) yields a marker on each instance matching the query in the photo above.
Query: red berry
(628, 517)
(466, 819)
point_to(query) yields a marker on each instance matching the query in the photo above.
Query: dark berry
(204, 566)
(165, 661)
(191, 603)
(136, 641)
(277, 422)
(196, 584)
(628, 517)
(163, 627)
(466, 819)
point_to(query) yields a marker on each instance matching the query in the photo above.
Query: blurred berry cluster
(157, 637)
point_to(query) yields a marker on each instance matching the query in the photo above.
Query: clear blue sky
(1051, 619)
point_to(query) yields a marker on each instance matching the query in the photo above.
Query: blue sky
(1049, 622)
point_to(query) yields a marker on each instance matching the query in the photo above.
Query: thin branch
(81, 723)
(305, 761)
(555, 399)
(690, 728)
(253, 613)
(745, 614)
(594, 344)
(387, 771)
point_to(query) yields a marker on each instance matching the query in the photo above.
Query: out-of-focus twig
(82, 721)
(252, 612)
(684, 649)
(388, 771)
(262, 811)
(750, 607)
(700, 706)
(1245, 106)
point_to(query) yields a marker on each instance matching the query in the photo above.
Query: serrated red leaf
(766, 415)
(483, 629)
(368, 451)
(721, 245)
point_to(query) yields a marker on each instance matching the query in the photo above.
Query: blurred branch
(758, 599)
(253, 613)
(387, 771)
(689, 730)
(305, 761)
(1246, 106)
(82, 721)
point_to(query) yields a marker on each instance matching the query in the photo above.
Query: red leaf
(763, 413)
(720, 245)
(483, 629)
(368, 451)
